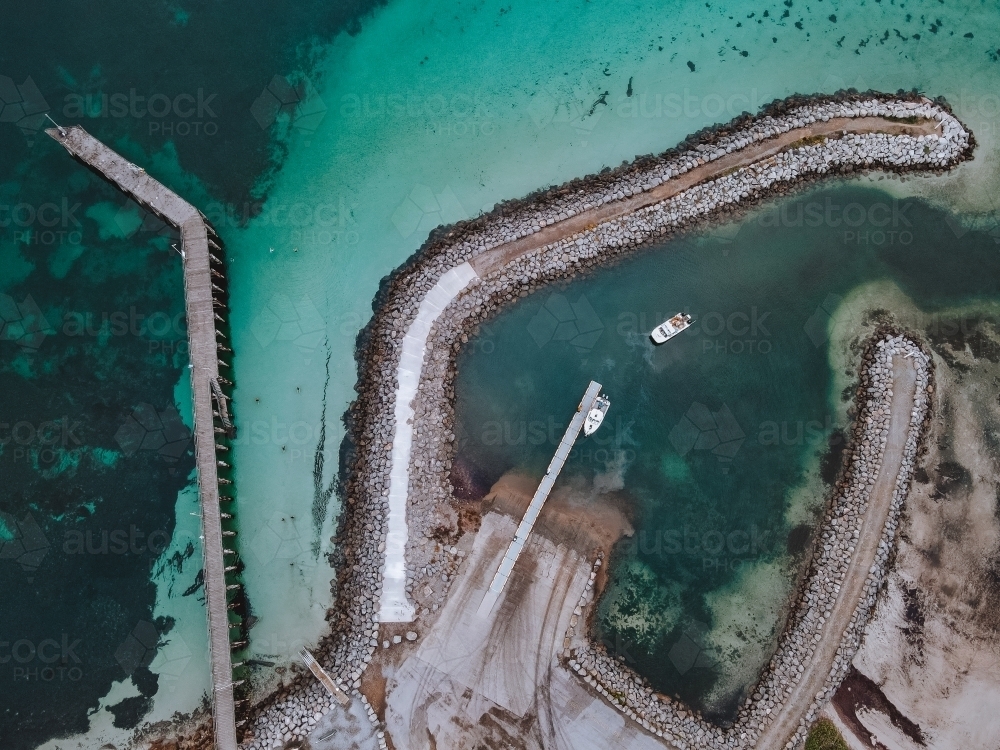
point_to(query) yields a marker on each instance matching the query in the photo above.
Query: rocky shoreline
(365, 455)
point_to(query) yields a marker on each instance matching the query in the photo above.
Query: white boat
(596, 415)
(670, 328)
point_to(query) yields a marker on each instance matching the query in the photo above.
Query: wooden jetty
(196, 234)
(538, 500)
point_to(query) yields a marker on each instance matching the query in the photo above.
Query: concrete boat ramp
(198, 241)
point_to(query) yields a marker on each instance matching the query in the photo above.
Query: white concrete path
(394, 605)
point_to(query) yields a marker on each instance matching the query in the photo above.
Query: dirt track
(493, 260)
(816, 672)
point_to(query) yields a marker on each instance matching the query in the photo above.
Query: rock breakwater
(840, 135)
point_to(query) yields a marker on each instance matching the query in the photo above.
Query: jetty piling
(197, 237)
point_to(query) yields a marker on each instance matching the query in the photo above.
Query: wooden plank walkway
(325, 680)
(538, 500)
(172, 209)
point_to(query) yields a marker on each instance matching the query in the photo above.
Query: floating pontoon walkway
(200, 310)
(538, 500)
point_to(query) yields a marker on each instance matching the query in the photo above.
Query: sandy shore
(925, 676)
(575, 514)
(496, 680)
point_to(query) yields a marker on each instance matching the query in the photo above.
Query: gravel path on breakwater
(366, 454)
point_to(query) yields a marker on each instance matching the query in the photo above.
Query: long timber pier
(538, 500)
(197, 242)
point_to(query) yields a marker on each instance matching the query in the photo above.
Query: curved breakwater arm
(401, 427)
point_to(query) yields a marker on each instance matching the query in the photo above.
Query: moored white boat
(670, 328)
(596, 415)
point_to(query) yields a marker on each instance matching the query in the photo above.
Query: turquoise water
(96, 466)
(477, 104)
(720, 445)
(423, 113)
(102, 619)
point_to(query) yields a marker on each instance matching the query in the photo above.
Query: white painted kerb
(394, 606)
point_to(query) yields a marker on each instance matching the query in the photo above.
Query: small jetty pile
(224, 427)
